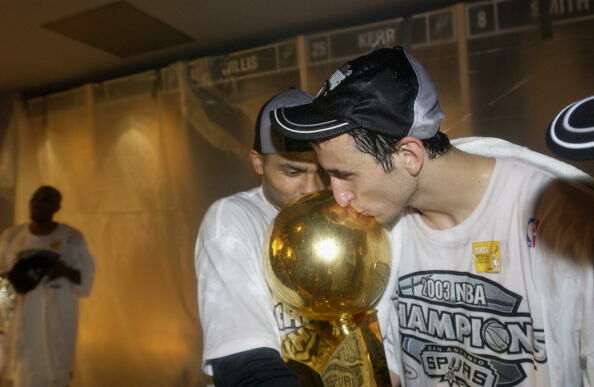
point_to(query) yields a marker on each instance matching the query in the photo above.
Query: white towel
(496, 147)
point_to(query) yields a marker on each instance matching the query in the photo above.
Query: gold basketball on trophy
(327, 261)
(331, 265)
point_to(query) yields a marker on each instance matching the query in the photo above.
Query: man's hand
(59, 269)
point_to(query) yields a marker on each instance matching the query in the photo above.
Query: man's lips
(360, 212)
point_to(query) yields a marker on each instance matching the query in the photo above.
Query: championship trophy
(331, 265)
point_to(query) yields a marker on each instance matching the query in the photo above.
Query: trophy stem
(343, 326)
(347, 351)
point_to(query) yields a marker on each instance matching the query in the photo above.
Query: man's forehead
(297, 157)
(342, 140)
(342, 146)
(340, 155)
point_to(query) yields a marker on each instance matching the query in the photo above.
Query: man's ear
(257, 162)
(410, 154)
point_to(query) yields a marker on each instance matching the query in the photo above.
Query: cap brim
(304, 122)
(571, 133)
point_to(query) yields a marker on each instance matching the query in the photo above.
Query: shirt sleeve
(82, 261)
(235, 305)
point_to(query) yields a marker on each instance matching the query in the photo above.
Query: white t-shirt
(42, 334)
(233, 298)
(502, 298)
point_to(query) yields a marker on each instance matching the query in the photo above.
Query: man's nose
(342, 194)
(312, 183)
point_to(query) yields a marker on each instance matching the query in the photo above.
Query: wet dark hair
(381, 147)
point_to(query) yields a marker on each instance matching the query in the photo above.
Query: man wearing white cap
(242, 325)
(493, 281)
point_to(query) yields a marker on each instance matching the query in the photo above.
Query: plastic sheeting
(140, 159)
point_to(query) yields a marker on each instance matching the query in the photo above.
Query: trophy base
(326, 354)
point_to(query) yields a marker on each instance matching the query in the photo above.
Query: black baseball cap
(268, 141)
(386, 91)
(571, 133)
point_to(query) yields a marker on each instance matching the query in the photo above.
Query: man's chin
(387, 221)
(41, 219)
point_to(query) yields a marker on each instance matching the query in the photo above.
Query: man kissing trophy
(330, 265)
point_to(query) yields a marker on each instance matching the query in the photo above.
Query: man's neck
(42, 229)
(452, 188)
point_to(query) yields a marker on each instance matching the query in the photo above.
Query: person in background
(50, 267)
(493, 257)
(242, 324)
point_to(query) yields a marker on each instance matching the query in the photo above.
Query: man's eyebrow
(293, 167)
(339, 172)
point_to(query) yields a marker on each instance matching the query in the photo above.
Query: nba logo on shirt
(533, 225)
